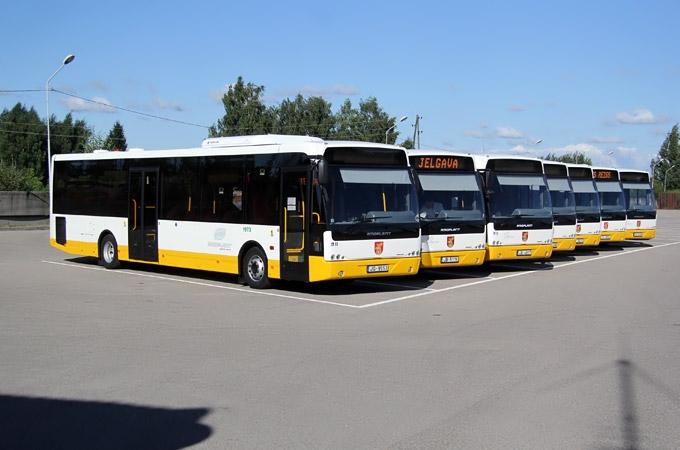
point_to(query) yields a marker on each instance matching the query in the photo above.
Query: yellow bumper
(320, 269)
(612, 236)
(587, 240)
(564, 244)
(457, 258)
(502, 252)
(640, 234)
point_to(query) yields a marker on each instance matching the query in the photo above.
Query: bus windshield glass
(611, 196)
(519, 196)
(370, 195)
(450, 196)
(587, 201)
(562, 196)
(639, 197)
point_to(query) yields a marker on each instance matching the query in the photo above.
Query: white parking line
(200, 283)
(505, 277)
(384, 283)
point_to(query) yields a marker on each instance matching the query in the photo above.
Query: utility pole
(416, 132)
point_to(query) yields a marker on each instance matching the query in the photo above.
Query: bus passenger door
(143, 214)
(294, 219)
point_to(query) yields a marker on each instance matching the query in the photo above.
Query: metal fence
(668, 200)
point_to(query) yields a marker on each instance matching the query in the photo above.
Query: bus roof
(426, 152)
(246, 145)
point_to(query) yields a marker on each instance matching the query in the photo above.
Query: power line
(109, 105)
(35, 133)
(10, 91)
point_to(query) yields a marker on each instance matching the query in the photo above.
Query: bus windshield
(519, 196)
(562, 196)
(611, 196)
(370, 195)
(450, 196)
(639, 197)
(585, 195)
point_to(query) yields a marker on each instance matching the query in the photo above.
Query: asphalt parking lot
(579, 352)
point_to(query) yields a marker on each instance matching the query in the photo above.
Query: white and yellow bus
(612, 204)
(640, 204)
(263, 207)
(588, 216)
(451, 203)
(519, 212)
(563, 206)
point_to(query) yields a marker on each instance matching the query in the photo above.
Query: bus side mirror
(323, 171)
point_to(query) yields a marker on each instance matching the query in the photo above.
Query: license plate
(605, 238)
(523, 252)
(579, 241)
(554, 245)
(378, 269)
(448, 259)
(637, 234)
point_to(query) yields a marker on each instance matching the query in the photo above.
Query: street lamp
(659, 161)
(67, 60)
(392, 127)
(665, 177)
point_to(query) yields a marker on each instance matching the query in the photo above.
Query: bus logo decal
(639, 222)
(606, 225)
(450, 240)
(525, 236)
(578, 228)
(378, 247)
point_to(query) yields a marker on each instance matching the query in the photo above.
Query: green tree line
(667, 162)
(23, 144)
(245, 112)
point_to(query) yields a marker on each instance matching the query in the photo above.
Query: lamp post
(392, 127)
(67, 60)
(665, 177)
(659, 161)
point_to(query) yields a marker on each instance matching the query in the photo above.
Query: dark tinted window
(181, 189)
(97, 188)
(262, 193)
(222, 189)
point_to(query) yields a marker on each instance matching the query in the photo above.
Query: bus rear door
(143, 214)
(294, 220)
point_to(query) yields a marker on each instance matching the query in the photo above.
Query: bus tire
(108, 252)
(255, 269)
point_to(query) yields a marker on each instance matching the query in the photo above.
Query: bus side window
(221, 190)
(181, 194)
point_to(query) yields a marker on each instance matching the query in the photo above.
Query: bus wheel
(255, 269)
(108, 253)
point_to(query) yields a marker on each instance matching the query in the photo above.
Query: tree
(116, 139)
(24, 143)
(572, 158)
(311, 116)
(14, 178)
(369, 123)
(68, 136)
(669, 156)
(244, 111)
(407, 144)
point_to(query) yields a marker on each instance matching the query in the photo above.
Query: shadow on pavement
(45, 423)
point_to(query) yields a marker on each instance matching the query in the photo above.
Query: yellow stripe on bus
(636, 234)
(465, 258)
(320, 269)
(503, 252)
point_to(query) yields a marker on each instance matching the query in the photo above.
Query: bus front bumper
(563, 244)
(503, 252)
(320, 269)
(455, 258)
(587, 240)
(612, 236)
(640, 234)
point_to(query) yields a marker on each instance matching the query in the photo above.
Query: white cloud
(520, 149)
(518, 108)
(336, 89)
(606, 140)
(508, 133)
(474, 134)
(627, 151)
(598, 155)
(77, 104)
(639, 116)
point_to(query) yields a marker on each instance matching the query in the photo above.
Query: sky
(597, 77)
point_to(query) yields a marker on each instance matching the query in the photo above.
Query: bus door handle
(134, 214)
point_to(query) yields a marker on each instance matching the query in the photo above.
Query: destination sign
(441, 163)
(635, 177)
(605, 174)
(580, 173)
